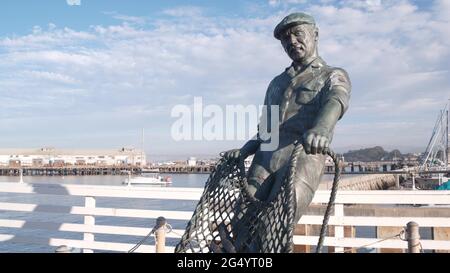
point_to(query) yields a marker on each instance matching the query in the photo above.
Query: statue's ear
(316, 34)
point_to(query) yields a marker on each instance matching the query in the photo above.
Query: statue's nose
(293, 39)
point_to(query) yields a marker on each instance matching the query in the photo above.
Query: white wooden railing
(89, 228)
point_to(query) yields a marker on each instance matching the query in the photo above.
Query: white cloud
(367, 5)
(73, 2)
(139, 20)
(132, 19)
(52, 37)
(50, 76)
(289, 2)
(186, 11)
(442, 9)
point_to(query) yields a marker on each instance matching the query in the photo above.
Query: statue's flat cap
(291, 20)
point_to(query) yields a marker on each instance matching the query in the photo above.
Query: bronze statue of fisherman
(312, 97)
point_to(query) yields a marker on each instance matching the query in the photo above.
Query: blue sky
(92, 75)
(101, 12)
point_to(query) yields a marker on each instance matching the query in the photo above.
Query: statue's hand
(316, 140)
(235, 154)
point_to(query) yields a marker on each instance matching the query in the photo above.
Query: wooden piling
(160, 235)
(413, 237)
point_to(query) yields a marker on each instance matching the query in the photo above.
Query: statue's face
(299, 41)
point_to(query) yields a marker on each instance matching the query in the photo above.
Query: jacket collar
(317, 63)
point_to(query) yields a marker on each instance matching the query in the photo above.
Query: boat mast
(446, 153)
(437, 148)
(142, 149)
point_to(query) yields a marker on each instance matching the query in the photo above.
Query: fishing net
(228, 219)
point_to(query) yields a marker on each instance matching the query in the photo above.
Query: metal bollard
(413, 237)
(160, 234)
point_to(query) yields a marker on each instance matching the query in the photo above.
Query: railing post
(160, 234)
(89, 220)
(413, 237)
(339, 229)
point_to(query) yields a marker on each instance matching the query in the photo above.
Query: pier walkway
(386, 211)
(68, 170)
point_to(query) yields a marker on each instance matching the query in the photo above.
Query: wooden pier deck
(69, 170)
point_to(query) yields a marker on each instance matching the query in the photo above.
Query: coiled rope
(334, 189)
(292, 169)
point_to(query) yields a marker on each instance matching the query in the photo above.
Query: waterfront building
(192, 161)
(63, 157)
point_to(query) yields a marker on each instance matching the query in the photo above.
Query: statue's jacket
(300, 96)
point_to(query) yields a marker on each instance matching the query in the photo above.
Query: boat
(431, 182)
(151, 170)
(444, 187)
(147, 180)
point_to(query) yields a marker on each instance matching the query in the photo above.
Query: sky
(93, 73)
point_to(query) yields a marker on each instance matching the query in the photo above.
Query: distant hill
(373, 154)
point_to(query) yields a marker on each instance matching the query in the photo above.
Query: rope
(421, 248)
(292, 169)
(399, 235)
(167, 226)
(176, 233)
(181, 235)
(169, 229)
(333, 194)
(133, 249)
(403, 238)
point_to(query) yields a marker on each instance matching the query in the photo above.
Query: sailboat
(436, 155)
(146, 180)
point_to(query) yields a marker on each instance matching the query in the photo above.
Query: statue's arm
(317, 139)
(250, 147)
(334, 104)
